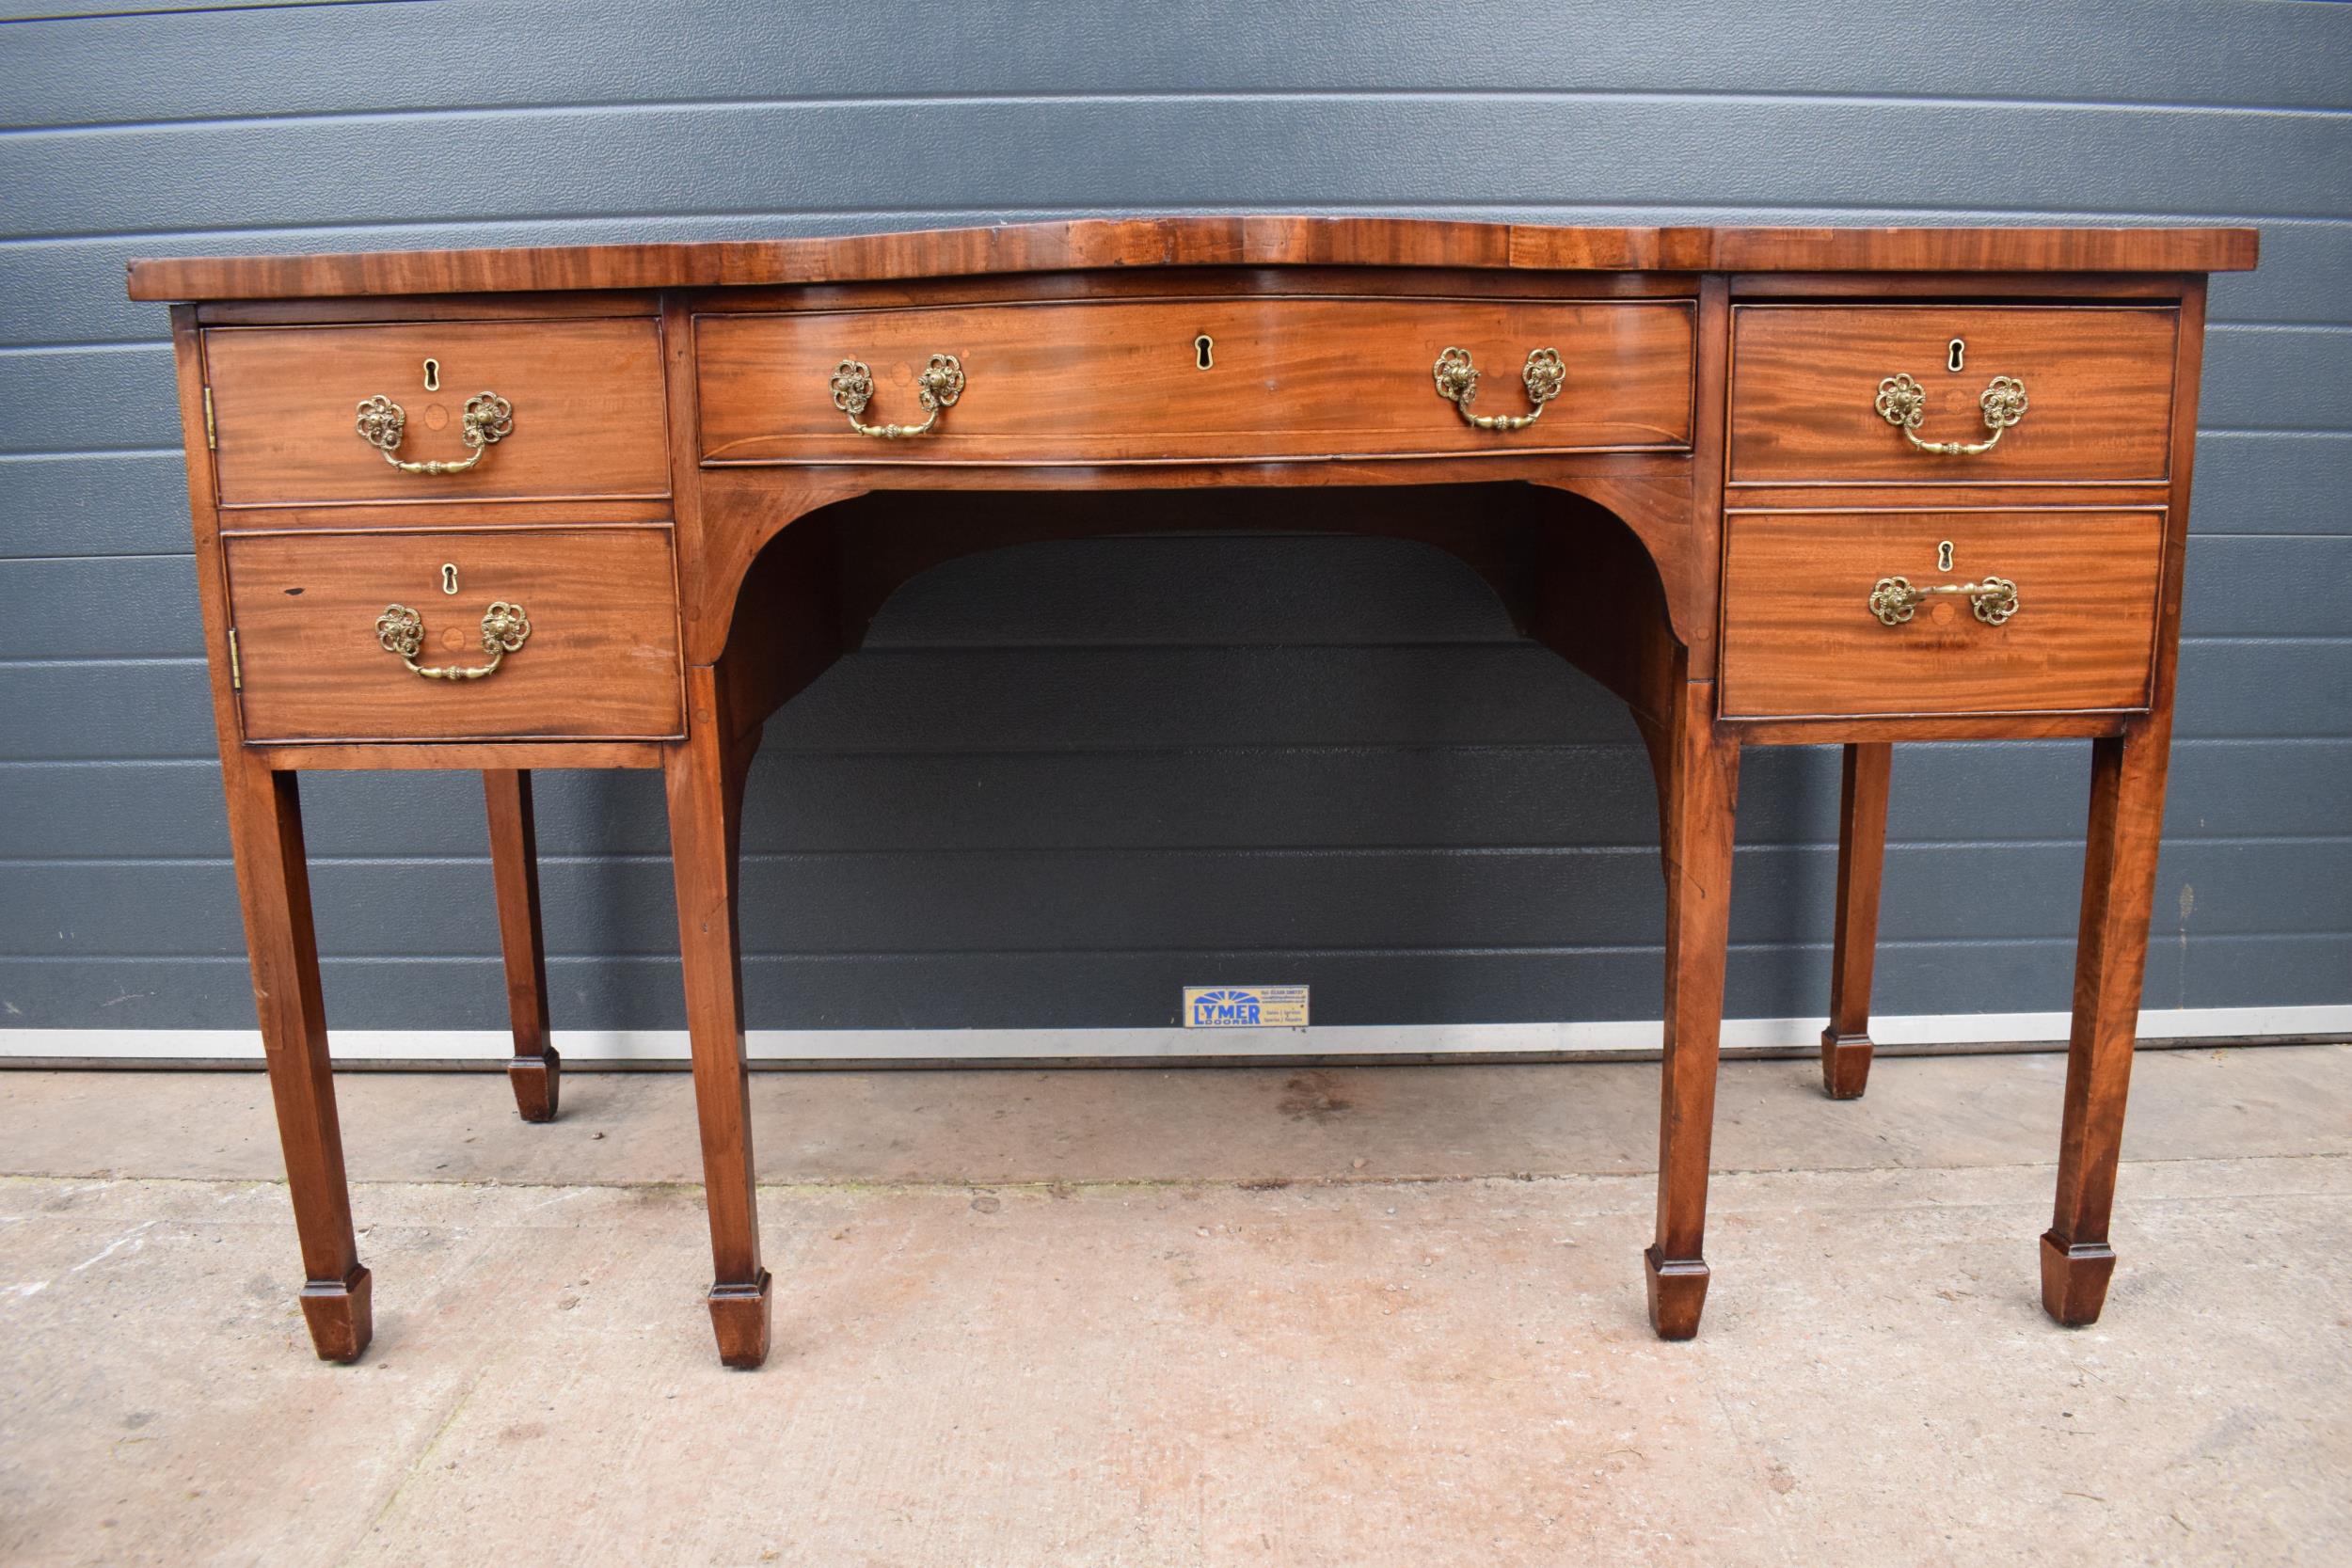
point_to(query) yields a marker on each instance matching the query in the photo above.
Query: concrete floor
(1368, 1317)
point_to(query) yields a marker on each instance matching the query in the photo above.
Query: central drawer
(542, 633)
(1193, 380)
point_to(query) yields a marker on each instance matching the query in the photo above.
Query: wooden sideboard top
(1195, 241)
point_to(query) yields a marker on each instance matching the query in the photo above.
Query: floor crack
(417, 1468)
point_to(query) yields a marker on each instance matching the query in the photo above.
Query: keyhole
(1200, 347)
(1944, 556)
(432, 375)
(1954, 355)
(448, 574)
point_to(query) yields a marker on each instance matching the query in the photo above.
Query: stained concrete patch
(1162, 1370)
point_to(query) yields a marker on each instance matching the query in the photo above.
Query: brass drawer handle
(488, 417)
(938, 386)
(1457, 383)
(1904, 404)
(1893, 600)
(504, 627)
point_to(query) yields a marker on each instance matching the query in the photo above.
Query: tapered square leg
(1703, 790)
(1854, 952)
(536, 1071)
(2111, 962)
(704, 776)
(274, 881)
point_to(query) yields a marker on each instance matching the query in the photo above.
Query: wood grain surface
(586, 397)
(1804, 384)
(602, 660)
(1122, 382)
(1195, 241)
(1800, 638)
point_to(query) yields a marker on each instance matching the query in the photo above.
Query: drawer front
(1801, 635)
(598, 662)
(1126, 382)
(583, 398)
(1806, 386)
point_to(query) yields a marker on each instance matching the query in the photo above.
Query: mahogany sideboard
(612, 506)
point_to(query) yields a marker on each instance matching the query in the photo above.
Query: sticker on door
(1245, 1006)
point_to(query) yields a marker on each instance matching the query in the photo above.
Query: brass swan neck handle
(1457, 383)
(1895, 600)
(504, 629)
(1904, 404)
(938, 385)
(487, 419)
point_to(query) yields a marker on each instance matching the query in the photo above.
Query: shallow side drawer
(1806, 386)
(1803, 594)
(583, 400)
(600, 660)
